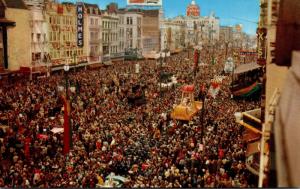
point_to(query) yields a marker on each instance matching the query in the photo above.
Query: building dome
(193, 9)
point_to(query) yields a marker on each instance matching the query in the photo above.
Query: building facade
(62, 34)
(15, 32)
(133, 31)
(151, 31)
(94, 33)
(200, 29)
(39, 48)
(110, 25)
(172, 35)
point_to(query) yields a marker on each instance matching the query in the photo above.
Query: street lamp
(67, 111)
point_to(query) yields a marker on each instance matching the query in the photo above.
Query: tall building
(200, 29)
(94, 33)
(110, 22)
(130, 25)
(151, 31)
(226, 33)
(62, 35)
(39, 48)
(15, 43)
(172, 35)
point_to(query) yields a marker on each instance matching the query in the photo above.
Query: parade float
(188, 107)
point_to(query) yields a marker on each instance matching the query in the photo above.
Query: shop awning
(251, 120)
(249, 136)
(253, 148)
(246, 67)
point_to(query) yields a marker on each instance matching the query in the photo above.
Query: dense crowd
(141, 143)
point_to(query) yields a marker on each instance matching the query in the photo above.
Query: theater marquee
(80, 11)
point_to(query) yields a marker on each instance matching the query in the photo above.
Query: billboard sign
(145, 2)
(80, 12)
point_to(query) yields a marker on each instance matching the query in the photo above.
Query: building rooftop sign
(144, 2)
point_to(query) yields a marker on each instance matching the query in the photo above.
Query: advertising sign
(261, 46)
(80, 12)
(145, 2)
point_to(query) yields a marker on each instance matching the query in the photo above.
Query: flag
(214, 89)
(27, 147)
(41, 136)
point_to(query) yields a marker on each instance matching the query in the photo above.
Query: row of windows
(114, 49)
(65, 54)
(109, 25)
(67, 36)
(94, 21)
(109, 37)
(38, 37)
(64, 20)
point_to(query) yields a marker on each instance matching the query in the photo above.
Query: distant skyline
(230, 12)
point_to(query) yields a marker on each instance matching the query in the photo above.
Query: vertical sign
(80, 24)
(261, 45)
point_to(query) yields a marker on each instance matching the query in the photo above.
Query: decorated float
(188, 107)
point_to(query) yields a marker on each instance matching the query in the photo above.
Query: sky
(230, 12)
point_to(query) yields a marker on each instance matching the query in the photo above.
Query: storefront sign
(80, 12)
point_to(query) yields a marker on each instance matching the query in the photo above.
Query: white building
(130, 29)
(133, 30)
(94, 33)
(200, 29)
(110, 22)
(39, 47)
(172, 35)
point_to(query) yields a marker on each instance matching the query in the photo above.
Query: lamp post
(160, 70)
(67, 111)
(232, 70)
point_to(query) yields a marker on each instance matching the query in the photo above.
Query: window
(38, 37)
(92, 21)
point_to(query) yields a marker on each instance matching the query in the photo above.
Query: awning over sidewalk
(251, 120)
(253, 148)
(246, 67)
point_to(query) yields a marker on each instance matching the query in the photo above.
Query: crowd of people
(139, 142)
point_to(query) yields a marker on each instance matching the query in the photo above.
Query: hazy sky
(230, 12)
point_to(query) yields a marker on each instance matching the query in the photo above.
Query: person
(109, 135)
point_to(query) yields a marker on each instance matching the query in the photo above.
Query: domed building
(193, 9)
